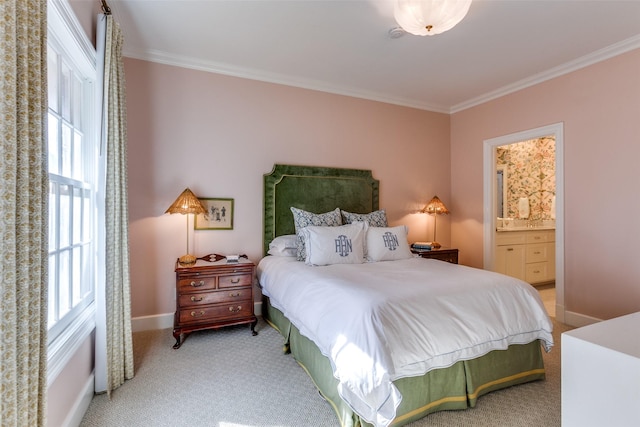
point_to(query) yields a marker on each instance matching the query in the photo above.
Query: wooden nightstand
(212, 295)
(443, 254)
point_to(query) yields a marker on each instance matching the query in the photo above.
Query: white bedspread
(377, 322)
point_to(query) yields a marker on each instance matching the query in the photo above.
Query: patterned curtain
(119, 344)
(23, 212)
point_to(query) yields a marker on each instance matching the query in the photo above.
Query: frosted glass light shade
(430, 17)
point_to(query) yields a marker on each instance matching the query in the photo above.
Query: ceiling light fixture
(430, 17)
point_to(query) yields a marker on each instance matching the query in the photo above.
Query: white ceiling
(343, 46)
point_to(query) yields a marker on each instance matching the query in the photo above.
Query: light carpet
(229, 378)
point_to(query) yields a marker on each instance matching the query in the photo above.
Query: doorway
(490, 200)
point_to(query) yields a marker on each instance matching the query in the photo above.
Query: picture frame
(218, 216)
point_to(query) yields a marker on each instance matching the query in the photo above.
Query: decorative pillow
(387, 243)
(286, 245)
(343, 244)
(374, 219)
(303, 219)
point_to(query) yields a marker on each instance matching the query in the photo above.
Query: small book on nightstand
(421, 246)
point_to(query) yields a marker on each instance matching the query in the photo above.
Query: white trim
(569, 67)
(67, 35)
(166, 58)
(161, 57)
(80, 406)
(100, 356)
(579, 320)
(64, 347)
(70, 35)
(489, 188)
(150, 323)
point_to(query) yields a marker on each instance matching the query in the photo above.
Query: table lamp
(186, 203)
(435, 207)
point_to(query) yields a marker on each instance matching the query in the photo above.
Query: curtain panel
(23, 212)
(117, 345)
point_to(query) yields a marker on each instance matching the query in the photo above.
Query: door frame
(489, 199)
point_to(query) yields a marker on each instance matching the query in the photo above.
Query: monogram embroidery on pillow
(344, 246)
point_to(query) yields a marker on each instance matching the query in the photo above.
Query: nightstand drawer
(196, 283)
(204, 298)
(216, 312)
(235, 280)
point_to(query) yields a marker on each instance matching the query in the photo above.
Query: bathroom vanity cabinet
(527, 254)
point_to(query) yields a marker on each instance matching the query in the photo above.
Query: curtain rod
(105, 7)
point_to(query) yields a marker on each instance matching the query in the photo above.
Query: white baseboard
(165, 320)
(150, 323)
(74, 418)
(579, 320)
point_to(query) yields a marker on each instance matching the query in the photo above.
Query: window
(73, 163)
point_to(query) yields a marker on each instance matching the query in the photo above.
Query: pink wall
(600, 109)
(219, 135)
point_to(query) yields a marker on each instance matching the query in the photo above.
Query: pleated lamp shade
(435, 207)
(186, 203)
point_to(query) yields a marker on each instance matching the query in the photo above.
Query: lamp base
(436, 245)
(187, 259)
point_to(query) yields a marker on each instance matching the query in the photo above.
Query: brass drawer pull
(235, 280)
(235, 309)
(198, 284)
(536, 271)
(536, 253)
(236, 294)
(196, 299)
(509, 249)
(195, 314)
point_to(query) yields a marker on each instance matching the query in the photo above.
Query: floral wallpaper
(530, 173)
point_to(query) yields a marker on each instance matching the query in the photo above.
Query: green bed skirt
(456, 387)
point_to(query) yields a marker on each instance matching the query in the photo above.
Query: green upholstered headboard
(314, 189)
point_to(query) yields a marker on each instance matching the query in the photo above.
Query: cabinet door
(538, 272)
(510, 260)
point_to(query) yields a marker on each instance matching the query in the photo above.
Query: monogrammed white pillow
(387, 243)
(343, 244)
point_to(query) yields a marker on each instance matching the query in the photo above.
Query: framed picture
(218, 215)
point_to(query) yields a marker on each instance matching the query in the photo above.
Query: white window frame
(68, 38)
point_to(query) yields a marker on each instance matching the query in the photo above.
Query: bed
(384, 351)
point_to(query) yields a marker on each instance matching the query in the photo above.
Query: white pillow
(343, 244)
(387, 243)
(286, 245)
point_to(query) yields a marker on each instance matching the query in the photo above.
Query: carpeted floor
(228, 378)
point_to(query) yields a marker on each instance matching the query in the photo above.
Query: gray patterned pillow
(374, 219)
(303, 219)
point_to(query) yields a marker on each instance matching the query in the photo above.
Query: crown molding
(282, 79)
(569, 67)
(287, 80)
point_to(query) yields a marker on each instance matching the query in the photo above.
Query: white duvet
(377, 322)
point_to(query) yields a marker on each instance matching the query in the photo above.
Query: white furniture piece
(601, 374)
(529, 255)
